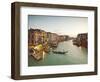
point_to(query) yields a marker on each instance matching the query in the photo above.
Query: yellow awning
(38, 47)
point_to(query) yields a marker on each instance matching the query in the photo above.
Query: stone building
(36, 37)
(53, 39)
(81, 40)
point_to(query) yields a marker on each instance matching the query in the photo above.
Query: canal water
(74, 55)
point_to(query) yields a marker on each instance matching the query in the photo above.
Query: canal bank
(75, 55)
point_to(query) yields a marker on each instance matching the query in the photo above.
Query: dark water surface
(75, 55)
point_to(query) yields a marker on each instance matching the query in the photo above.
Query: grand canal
(74, 55)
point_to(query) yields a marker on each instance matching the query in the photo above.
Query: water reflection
(75, 55)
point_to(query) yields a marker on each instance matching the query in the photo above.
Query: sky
(62, 25)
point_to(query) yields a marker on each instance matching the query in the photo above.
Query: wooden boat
(60, 52)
